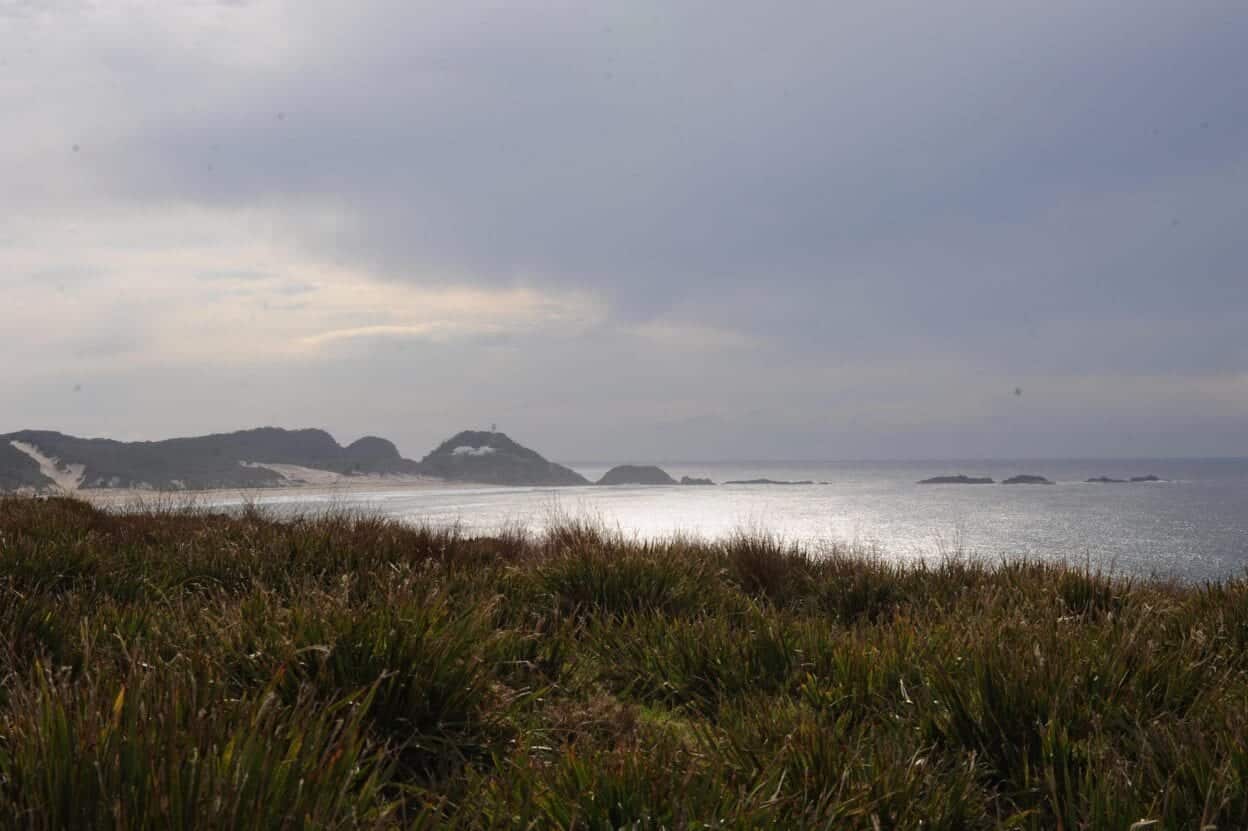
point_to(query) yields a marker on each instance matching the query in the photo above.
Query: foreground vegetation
(176, 669)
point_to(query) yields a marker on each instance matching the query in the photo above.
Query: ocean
(1191, 526)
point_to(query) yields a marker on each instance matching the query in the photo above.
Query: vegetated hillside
(234, 460)
(636, 475)
(212, 461)
(175, 669)
(17, 470)
(493, 458)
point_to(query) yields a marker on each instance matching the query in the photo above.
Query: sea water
(1193, 525)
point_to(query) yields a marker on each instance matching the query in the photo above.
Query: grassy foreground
(175, 669)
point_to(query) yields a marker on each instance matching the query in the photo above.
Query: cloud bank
(679, 229)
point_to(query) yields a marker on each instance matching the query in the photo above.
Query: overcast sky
(644, 230)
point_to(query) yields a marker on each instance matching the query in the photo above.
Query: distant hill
(636, 475)
(494, 459)
(43, 460)
(39, 459)
(18, 470)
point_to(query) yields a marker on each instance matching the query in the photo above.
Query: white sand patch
(299, 475)
(465, 450)
(66, 477)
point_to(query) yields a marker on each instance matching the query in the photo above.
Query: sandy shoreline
(321, 491)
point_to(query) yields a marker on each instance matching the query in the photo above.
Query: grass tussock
(175, 668)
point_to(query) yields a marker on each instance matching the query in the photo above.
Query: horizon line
(914, 460)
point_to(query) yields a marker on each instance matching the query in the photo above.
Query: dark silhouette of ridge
(223, 460)
(636, 475)
(494, 459)
(1027, 479)
(238, 459)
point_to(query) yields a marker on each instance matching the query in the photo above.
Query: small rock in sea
(1026, 479)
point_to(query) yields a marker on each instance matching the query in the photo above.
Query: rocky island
(1027, 480)
(695, 480)
(957, 480)
(636, 475)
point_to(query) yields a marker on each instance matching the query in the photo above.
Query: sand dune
(299, 475)
(66, 477)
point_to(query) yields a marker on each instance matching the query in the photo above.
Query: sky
(631, 231)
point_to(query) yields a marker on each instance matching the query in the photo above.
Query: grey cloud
(106, 345)
(1025, 191)
(67, 275)
(655, 152)
(235, 275)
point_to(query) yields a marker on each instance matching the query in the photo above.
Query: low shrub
(174, 668)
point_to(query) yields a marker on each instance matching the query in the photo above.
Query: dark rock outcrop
(1026, 479)
(636, 475)
(767, 482)
(957, 480)
(1149, 478)
(695, 480)
(1105, 480)
(494, 459)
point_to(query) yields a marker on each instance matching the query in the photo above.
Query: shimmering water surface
(1194, 525)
